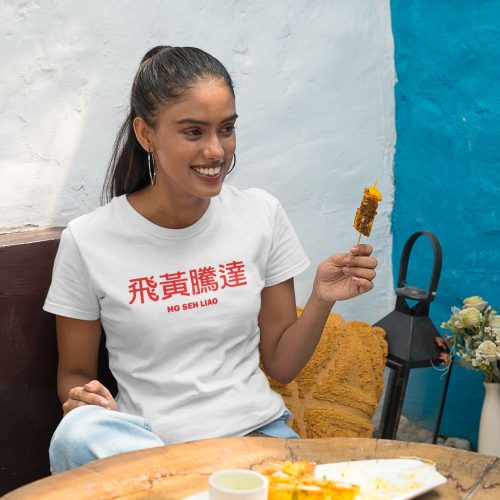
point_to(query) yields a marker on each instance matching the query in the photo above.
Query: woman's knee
(90, 432)
(71, 444)
(75, 427)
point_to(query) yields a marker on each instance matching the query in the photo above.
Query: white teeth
(211, 172)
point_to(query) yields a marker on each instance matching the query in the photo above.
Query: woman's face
(194, 142)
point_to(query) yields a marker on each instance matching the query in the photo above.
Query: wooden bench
(29, 407)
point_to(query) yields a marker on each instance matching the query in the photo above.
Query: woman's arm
(78, 346)
(287, 342)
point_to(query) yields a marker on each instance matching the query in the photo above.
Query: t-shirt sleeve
(71, 293)
(287, 257)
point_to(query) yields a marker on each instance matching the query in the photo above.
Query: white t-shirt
(180, 307)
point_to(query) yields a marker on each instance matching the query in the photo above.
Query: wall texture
(447, 167)
(314, 83)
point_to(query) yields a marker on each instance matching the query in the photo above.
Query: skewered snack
(296, 481)
(365, 215)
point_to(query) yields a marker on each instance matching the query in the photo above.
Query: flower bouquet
(475, 337)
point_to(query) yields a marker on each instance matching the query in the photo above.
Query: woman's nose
(214, 149)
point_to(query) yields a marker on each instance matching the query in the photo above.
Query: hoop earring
(233, 165)
(151, 168)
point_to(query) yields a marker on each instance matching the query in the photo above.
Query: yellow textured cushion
(337, 392)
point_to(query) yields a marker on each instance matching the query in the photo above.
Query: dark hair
(164, 74)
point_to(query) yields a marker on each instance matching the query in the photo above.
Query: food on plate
(296, 481)
(385, 478)
(365, 215)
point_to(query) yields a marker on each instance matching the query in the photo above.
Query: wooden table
(172, 472)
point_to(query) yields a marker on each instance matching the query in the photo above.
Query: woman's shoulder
(99, 218)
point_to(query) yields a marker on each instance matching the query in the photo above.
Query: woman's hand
(345, 275)
(92, 393)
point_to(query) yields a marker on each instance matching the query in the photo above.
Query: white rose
(470, 317)
(476, 302)
(487, 350)
(494, 321)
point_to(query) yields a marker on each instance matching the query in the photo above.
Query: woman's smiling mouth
(208, 171)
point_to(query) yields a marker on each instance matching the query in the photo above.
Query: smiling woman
(191, 279)
(179, 135)
(192, 143)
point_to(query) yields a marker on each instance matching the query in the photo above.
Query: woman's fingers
(90, 398)
(71, 404)
(364, 285)
(96, 387)
(345, 275)
(350, 260)
(362, 249)
(92, 393)
(360, 272)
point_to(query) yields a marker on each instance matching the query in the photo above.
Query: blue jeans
(90, 432)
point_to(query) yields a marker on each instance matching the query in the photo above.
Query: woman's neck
(165, 211)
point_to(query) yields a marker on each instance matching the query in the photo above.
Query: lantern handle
(436, 268)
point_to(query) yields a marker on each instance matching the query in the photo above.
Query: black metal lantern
(411, 338)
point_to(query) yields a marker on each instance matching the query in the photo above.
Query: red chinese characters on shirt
(174, 284)
(193, 282)
(142, 288)
(232, 274)
(203, 280)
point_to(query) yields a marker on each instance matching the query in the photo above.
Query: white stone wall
(314, 83)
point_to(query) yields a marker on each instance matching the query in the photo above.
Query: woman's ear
(143, 134)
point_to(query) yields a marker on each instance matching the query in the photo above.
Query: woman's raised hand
(345, 275)
(92, 393)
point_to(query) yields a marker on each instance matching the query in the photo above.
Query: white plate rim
(437, 479)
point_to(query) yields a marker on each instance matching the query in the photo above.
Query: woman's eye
(228, 129)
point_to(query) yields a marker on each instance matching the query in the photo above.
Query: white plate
(397, 479)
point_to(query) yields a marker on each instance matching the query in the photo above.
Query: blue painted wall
(447, 168)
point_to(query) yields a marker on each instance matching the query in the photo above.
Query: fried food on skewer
(365, 215)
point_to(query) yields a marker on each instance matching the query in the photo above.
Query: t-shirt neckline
(164, 232)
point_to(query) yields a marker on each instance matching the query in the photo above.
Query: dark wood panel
(29, 407)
